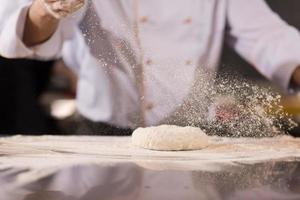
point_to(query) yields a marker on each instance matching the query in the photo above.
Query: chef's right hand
(43, 19)
(62, 8)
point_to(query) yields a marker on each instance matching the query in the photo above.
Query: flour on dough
(170, 138)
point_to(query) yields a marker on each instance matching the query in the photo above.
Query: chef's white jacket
(138, 58)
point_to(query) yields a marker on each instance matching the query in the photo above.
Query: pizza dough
(170, 138)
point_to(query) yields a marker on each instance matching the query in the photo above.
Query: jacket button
(149, 62)
(149, 106)
(187, 20)
(188, 62)
(144, 19)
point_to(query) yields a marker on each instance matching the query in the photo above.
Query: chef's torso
(143, 55)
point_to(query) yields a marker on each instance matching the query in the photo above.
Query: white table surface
(98, 167)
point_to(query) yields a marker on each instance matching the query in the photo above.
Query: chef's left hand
(296, 77)
(224, 109)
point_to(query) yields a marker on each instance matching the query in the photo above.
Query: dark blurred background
(29, 93)
(38, 97)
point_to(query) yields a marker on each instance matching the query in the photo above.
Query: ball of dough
(170, 138)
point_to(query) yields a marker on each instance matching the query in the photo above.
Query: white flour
(259, 111)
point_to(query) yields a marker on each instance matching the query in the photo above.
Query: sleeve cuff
(13, 46)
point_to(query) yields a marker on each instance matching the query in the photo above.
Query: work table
(102, 167)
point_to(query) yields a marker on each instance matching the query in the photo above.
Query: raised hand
(62, 8)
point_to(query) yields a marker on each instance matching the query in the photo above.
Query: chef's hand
(296, 77)
(62, 8)
(223, 109)
(43, 18)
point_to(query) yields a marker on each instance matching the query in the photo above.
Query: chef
(137, 59)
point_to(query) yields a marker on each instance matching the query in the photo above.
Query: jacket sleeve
(12, 46)
(264, 40)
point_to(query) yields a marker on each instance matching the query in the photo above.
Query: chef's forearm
(39, 26)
